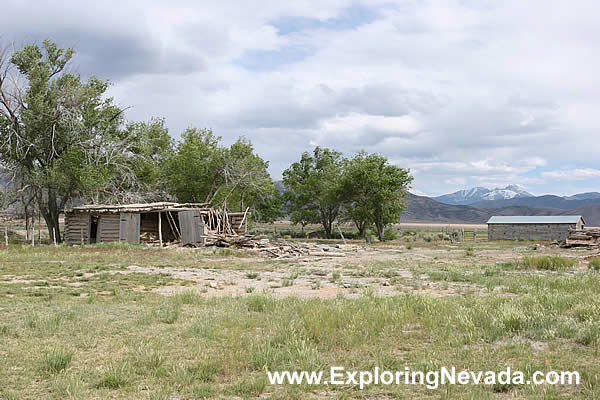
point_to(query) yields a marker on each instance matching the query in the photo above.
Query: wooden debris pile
(586, 238)
(278, 249)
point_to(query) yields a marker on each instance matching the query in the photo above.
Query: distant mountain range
(477, 194)
(510, 200)
(515, 195)
(538, 201)
(425, 209)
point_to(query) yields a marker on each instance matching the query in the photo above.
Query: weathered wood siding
(109, 228)
(77, 228)
(529, 231)
(235, 220)
(192, 228)
(129, 228)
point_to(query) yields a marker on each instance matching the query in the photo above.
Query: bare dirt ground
(386, 270)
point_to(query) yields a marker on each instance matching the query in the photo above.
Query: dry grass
(112, 336)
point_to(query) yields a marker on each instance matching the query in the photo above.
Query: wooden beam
(159, 230)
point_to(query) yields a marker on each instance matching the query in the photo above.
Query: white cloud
(576, 174)
(464, 93)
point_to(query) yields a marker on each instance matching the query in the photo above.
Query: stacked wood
(278, 249)
(586, 238)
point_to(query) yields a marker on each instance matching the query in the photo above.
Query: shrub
(252, 275)
(335, 276)
(594, 264)
(115, 377)
(57, 360)
(169, 313)
(549, 263)
(469, 252)
(287, 282)
(390, 234)
(588, 335)
(258, 303)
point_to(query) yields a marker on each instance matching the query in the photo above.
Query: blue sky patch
(269, 60)
(350, 18)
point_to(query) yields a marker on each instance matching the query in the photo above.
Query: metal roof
(538, 219)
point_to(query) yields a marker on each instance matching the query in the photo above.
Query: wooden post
(81, 232)
(341, 234)
(32, 235)
(6, 235)
(244, 218)
(39, 227)
(159, 229)
(54, 236)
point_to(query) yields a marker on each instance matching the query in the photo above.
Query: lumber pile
(586, 238)
(278, 249)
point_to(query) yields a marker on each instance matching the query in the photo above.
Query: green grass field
(81, 323)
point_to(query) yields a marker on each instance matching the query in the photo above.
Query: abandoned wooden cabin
(533, 227)
(152, 223)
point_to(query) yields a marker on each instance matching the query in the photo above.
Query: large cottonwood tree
(62, 138)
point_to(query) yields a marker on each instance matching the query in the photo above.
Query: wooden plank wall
(192, 227)
(235, 220)
(76, 227)
(129, 228)
(108, 228)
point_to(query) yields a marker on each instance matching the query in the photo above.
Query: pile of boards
(278, 249)
(586, 238)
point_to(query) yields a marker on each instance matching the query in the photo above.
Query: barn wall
(108, 228)
(129, 229)
(235, 220)
(76, 228)
(529, 231)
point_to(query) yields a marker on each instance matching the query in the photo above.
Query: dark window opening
(93, 229)
(149, 227)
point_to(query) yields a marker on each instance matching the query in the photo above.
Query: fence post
(6, 235)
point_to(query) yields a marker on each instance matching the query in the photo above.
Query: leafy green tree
(140, 174)
(312, 188)
(194, 171)
(248, 182)
(235, 177)
(374, 191)
(53, 127)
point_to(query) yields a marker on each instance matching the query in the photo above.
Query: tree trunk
(380, 230)
(362, 227)
(326, 222)
(328, 216)
(50, 212)
(26, 223)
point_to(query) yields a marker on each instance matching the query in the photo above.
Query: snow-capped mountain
(477, 194)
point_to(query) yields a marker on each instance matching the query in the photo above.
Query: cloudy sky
(464, 93)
